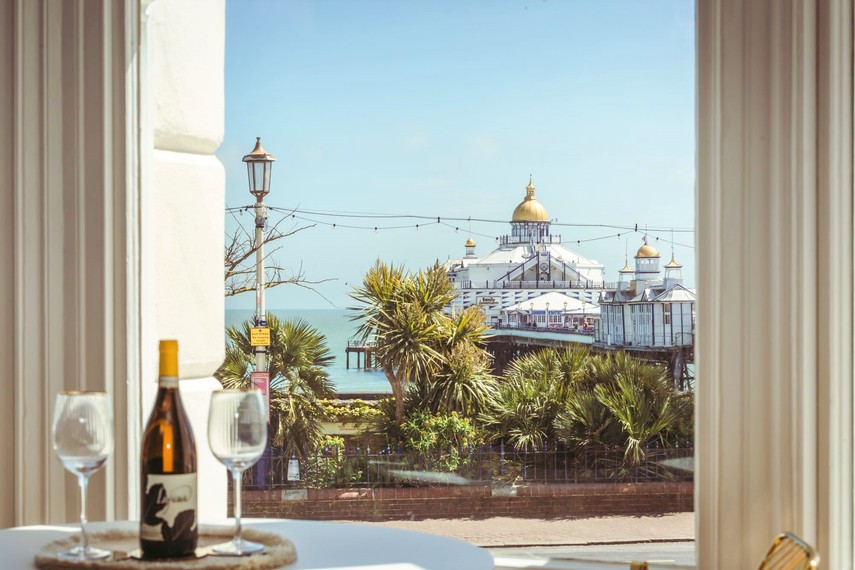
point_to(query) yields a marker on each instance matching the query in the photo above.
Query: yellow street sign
(259, 337)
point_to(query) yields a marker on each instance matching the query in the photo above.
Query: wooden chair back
(789, 552)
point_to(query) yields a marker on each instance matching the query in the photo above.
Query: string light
(439, 219)
(294, 213)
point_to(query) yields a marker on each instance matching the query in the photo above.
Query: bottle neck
(168, 381)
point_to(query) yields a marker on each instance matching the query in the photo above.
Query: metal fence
(394, 467)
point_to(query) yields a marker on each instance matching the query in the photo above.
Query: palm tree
(522, 412)
(643, 414)
(537, 387)
(585, 422)
(624, 401)
(403, 315)
(464, 384)
(298, 356)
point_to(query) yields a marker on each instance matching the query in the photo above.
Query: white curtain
(774, 221)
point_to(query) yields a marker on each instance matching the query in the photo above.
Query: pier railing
(546, 284)
(646, 340)
(553, 328)
(483, 464)
(360, 348)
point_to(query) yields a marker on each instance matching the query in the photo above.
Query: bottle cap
(169, 358)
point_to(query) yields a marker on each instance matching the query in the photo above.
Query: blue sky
(444, 109)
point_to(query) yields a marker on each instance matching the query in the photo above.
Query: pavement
(515, 532)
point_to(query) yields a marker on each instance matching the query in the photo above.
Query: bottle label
(169, 508)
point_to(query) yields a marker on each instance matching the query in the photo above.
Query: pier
(508, 343)
(364, 354)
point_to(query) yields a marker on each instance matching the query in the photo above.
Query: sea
(336, 326)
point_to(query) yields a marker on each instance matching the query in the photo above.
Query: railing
(482, 464)
(551, 284)
(552, 328)
(646, 340)
(360, 344)
(527, 239)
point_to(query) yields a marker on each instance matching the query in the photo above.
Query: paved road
(660, 538)
(512, 532)
(662, 552)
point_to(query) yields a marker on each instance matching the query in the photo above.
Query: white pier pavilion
(646, 310)
(529, 263)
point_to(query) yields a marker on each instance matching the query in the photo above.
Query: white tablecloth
(320, 545)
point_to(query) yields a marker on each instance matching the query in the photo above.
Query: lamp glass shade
(259, 173)
(259, 166)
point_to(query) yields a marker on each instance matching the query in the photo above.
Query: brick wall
(475, 501)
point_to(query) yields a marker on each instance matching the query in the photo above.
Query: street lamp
(531, 314)
(565, 314)
(259, 167)
(546, 318)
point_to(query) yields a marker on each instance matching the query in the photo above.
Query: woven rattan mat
(279, 552)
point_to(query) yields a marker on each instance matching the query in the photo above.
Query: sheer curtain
(774, 221)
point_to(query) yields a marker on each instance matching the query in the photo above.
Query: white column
(774, 353)
(187, 197)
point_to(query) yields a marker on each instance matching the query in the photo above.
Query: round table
(320, 545)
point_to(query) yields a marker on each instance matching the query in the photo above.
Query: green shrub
(352, 411)
(327, 466)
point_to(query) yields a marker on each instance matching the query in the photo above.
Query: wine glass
(237, 434)
(83, 439)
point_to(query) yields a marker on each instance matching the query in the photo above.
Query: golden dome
(470, 243)
(626, 268)
(530, 210)
(647, 250)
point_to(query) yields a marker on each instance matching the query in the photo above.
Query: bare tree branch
(240, 261)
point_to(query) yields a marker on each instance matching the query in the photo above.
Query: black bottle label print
(169, 508)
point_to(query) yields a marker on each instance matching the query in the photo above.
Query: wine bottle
(168, 526)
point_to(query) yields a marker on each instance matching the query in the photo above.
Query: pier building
(647, 309)
(529, 263)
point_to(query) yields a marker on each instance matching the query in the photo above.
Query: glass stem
(237, 475)
(83, 481)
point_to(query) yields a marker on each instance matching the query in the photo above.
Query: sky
(380, 111)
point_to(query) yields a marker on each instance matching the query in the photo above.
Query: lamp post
(546, 317)
(259, 166)
(531, 314)
(564, 315)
